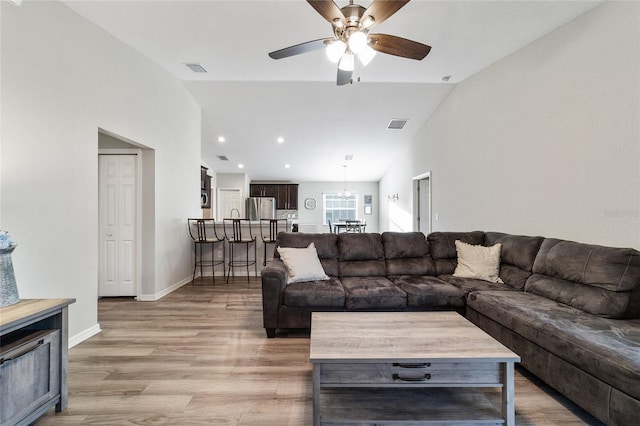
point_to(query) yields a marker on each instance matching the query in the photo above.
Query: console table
(33, 359)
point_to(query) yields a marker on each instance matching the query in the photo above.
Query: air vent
(195, 67)
(396, 124)
(348, 157)
(223, 158)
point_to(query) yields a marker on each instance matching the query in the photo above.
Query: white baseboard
(84, 335)
(162, 293)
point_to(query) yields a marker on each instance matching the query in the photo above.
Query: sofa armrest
(274, 279)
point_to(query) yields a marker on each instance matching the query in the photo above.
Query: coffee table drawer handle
(412, 379)
(422, 365)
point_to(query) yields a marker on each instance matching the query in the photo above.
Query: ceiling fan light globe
(358, 42)
(366, 55)
(346, 62)
(335, 51)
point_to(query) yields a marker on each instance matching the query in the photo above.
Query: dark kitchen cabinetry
(287, 197)
(286, 194)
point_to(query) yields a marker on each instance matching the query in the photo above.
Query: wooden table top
(402, 337)
(27, 308)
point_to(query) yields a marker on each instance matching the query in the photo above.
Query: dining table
(342, 226)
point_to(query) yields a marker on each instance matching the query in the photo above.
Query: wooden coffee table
(407, 368)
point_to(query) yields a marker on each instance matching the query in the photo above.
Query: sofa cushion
(360, 246)
(407, 253)
(429, 293)
(443, 248)
(600, 280)
(326, 247)
(516, 257)
(478, 262)
(400, 245)
(361, 255)
(372, 293)
(322, 294)
(471, 284)
(606, 348)
(302, 263)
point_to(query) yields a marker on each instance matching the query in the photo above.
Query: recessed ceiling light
(241, 166)
(287, 166)
(221, 139)
(280, 139)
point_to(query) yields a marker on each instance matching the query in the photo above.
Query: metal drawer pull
(412, 379)
(24, 352)
(422, 365)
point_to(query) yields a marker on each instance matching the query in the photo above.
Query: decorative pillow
(303, 264)
(478, 262)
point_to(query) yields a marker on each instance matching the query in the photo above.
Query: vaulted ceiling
(252, 100)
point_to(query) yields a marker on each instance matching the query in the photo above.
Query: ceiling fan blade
(380, 10)
(300, 48)
(329, 10)
(398, 46)
(344, 77)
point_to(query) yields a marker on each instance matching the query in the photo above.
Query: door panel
(117, 276)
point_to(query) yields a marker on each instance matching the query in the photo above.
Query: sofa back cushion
(516, 256)
(407, 253)
(443, 248)
(603, 281)
(361, 254)
(326, 246)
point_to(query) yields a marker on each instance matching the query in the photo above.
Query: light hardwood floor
(201, 356)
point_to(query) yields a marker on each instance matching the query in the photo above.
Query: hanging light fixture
(345, 193)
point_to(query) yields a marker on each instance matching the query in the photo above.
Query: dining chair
(203, 233)
(331, 230)
(353, 226)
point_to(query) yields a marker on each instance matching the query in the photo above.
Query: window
(339, 207)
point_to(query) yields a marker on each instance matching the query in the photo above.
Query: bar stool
(205, 234)
(240, 236)
(274, 225)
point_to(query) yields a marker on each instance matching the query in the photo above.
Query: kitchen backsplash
(287, 214)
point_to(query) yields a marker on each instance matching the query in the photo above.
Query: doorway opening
(422, 203)
(125, 258)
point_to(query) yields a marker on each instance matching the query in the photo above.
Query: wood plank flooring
(200, 356)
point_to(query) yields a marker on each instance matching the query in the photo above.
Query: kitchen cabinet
(286, 194)
(287, 197)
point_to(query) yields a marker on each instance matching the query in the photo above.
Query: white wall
(316, 189)
(546, 141)
(62, 80)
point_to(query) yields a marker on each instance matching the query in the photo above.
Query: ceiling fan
(351, 25)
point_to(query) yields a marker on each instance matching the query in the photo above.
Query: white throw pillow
(303, 264)
(478, 262)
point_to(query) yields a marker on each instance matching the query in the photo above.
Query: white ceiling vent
(348, 157)
(223, 158)
(396, 124)
(195, 67)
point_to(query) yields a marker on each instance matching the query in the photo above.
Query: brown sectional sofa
(570, 310)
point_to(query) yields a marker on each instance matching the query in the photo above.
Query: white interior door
(118, 191)
(229, 204)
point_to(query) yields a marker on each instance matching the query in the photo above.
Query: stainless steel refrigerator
(261, 208)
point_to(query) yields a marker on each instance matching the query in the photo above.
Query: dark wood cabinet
(286, 194)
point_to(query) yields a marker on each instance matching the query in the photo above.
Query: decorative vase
(8, 288)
